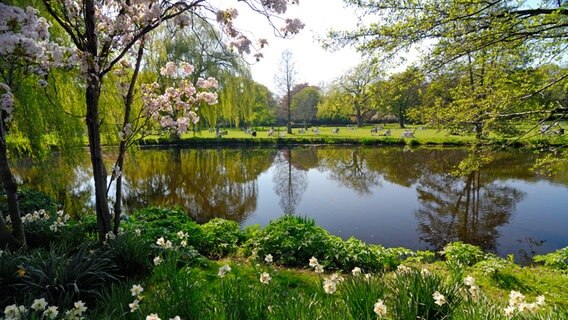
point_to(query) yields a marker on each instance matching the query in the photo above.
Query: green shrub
(220, 238)
(556, 260)
(30, 200)
(462, 253)
(292, 241)
(421, 256)
(37, 232)
(159, 222)
(355, 253)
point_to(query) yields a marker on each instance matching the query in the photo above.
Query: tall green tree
(304, 104)
(357, 84)
(264, 107)
(401, 93)
(334, 105)
(451, 31)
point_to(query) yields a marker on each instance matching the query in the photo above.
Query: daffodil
(439, 298)
(356, 271)
(224, 270)
(380, 308)
(39, 304)
(265, 278)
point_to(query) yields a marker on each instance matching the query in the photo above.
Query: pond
(386, 195)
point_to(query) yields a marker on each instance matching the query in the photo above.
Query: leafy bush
(422, 256)
(158, 222)
(292, 241)
(37, 232)
(556, 260)
(220, 238)
(30, 200)
(63, 276)
(462, 253)
(355, 253)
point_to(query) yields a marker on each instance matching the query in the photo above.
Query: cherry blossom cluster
(25, 46)
(241, 42)
(24, 40)
(177, 107)
(278, 6)
(22, 33)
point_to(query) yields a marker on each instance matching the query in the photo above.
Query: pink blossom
(293, 26)
(242, 44)
(169, 70)
(186, 67)
(207, 97)
(278, 6)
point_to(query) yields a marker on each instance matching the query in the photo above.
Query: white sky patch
(314, 64)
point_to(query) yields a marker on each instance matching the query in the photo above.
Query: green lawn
(363, 135)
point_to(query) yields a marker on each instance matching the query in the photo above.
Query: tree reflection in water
(353, 188)
(468, 209)
(290, 179)
(207, 183)
(350, 167)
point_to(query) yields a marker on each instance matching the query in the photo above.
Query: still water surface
(391, 196)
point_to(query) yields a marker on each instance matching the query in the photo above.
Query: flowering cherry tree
(105, 31)
(176, 108)
(25, 51)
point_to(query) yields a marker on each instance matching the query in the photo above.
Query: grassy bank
(165, 265)
(351, 135)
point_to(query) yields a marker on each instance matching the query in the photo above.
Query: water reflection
(467, 209)
(352, 169)
(206, 183)
(290, 181)
(392, 196)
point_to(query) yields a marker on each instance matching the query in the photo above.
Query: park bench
(408, 133)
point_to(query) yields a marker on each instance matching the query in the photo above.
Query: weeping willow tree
(237, 100)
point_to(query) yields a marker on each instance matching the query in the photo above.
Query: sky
(314, 65)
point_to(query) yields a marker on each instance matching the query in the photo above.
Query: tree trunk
(93, 123)
(128, 100)
(99, 170)
(358, 111)
(17, 238)
(289, 102)
(401, 119)
(118, 196)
